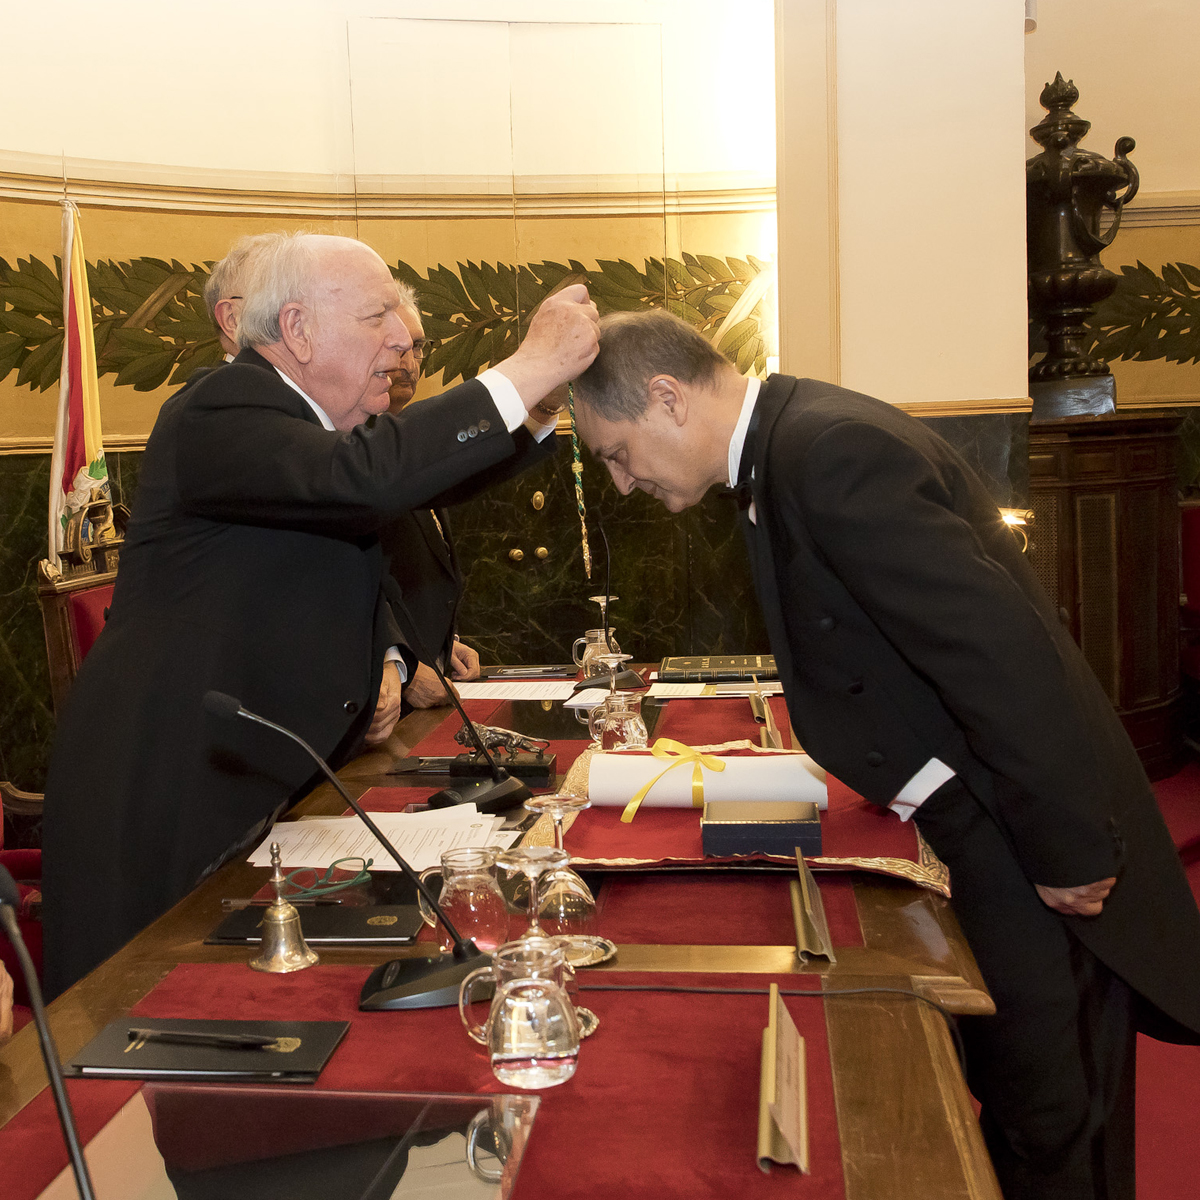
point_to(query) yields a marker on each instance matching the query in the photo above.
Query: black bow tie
(740, 493)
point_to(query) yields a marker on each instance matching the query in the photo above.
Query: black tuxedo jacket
(908, 625)
(424, 564)
(252, 567)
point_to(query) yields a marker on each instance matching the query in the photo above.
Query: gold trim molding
(44, 445)
(966, 408)
(147, 186)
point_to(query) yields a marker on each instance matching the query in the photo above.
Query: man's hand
(387, 707)
(6, 1003)
(562, 340)
(1084, 901)
(425, 689)
(464, 662)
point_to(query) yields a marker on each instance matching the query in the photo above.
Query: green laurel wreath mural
(152, 327)
(1150, 316)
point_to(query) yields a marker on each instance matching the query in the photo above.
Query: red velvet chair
(25, 866)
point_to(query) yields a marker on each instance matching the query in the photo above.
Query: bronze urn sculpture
(1068, 191)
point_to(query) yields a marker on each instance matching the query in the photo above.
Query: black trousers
(1054, 1069)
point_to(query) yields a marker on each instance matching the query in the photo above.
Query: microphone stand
(403, 982)
(10, 898)
(495, 795)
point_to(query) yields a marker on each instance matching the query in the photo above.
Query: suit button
(874, 758)
(351, 707)
(462, 435)
(826, 624)
(484, 426)
(855, 689)
(473, 431)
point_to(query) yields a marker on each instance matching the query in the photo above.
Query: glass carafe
(586, 650)
(617, 724)
(531, 1032)
(471, 897)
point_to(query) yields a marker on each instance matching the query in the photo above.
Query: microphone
(403, 982)
(10, 900)
(495, 795)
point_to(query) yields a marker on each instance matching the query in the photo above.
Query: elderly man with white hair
(251, 567)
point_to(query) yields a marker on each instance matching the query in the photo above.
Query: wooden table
(904, 1114)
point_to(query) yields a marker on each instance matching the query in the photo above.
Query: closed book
(328, 925)
(781, 827)
(717, 668)
(297, 1053)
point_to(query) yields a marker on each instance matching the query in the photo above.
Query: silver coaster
(585, 950)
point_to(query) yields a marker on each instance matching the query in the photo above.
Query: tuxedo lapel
(772, 399)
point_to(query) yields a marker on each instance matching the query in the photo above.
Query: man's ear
(672, 395)
(225, 315)
(295, 329)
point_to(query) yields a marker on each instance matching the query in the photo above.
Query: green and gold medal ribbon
(577, 468)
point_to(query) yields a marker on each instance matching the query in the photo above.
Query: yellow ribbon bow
(666, 748)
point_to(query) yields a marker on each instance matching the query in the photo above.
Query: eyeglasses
(420, 349)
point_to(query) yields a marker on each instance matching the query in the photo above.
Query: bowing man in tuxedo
(924, 666)
(252, 566)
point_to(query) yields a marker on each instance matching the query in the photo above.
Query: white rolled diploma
(615, 778)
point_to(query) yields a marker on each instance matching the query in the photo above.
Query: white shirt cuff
(506, 398)
(920, 787)
(392, 655)
(540, 432)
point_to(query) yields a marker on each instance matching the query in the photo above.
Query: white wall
(1137, 68)
(913, 157)
(241, 91)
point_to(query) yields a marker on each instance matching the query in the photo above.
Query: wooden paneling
(1104, 544)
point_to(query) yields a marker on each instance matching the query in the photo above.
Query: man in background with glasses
(420, 549)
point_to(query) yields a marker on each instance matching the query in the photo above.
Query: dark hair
(636, 346)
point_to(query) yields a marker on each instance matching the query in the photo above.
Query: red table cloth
(664, 1103)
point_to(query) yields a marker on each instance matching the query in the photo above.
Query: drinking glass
(566, 905)
(612, 660)
(471, 897)
(532, 862)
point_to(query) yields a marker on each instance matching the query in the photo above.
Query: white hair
(280, 269)
(408, 297)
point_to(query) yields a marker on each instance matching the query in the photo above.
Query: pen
(218, 1041)
(532, 673)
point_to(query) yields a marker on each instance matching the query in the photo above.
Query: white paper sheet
(616, 778)
(421, 838)
(680, 691)
(526, 689)
(588, 698)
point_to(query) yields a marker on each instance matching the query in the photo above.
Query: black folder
(328, 925)
(298, 1054)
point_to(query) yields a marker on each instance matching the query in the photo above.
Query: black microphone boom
(10, 899)
(404, 982)
(495, 795)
